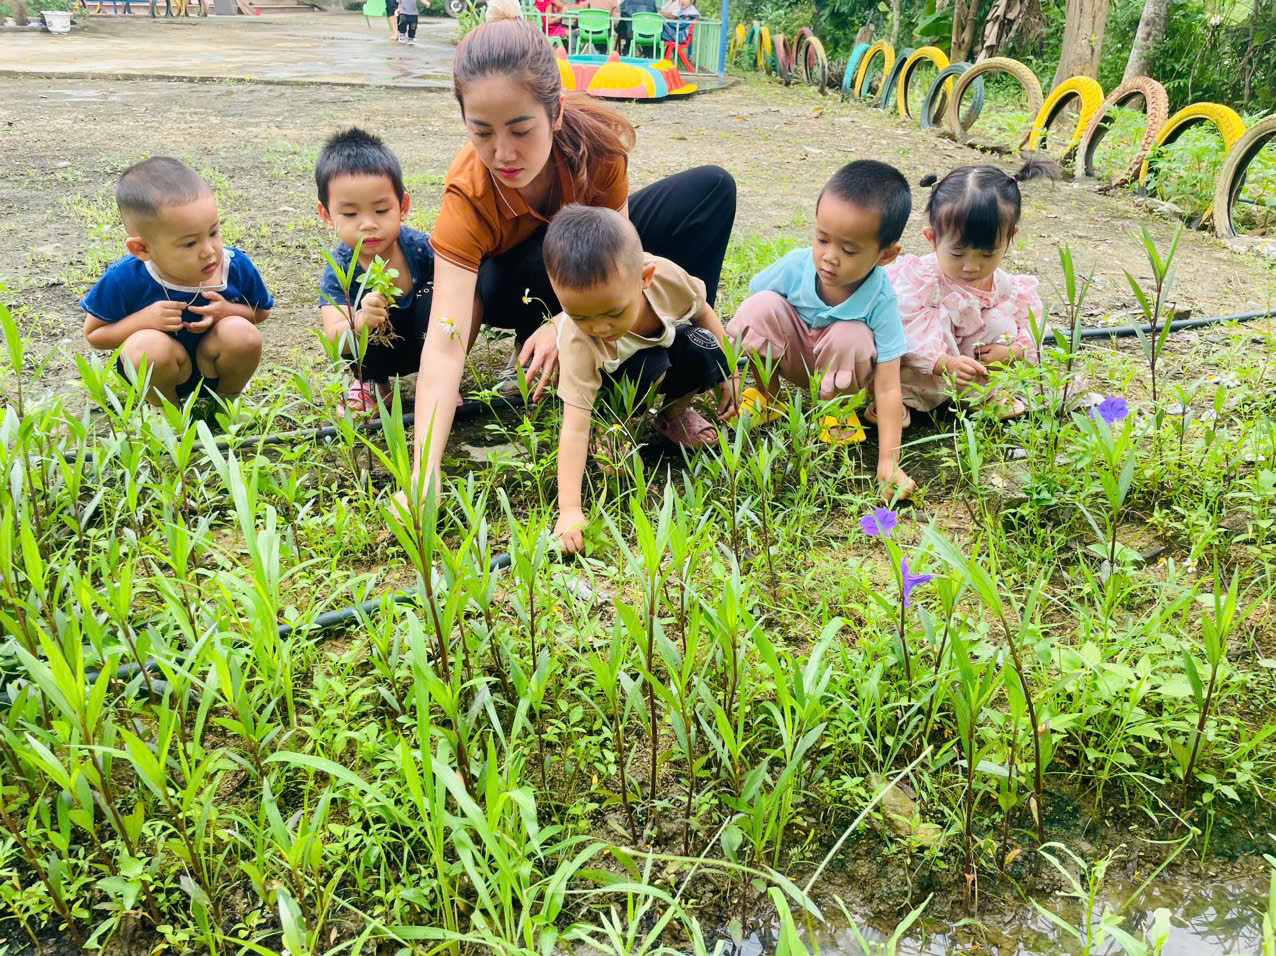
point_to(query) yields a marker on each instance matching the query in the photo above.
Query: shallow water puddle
(1207, 918)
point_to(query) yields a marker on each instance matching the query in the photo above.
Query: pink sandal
(361, 399)
(690, 430)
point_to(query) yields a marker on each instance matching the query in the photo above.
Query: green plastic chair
(373, 8)
(647, 30)
(593, 27)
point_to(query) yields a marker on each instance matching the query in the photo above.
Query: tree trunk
(1003, 22)
(1082, 39)
(896, 13)
(1151, 31)
(965, 14)
(865, 35)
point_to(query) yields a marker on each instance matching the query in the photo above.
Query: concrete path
(293, 48)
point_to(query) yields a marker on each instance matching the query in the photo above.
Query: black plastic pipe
(1127, 331)
(368, 427)
(324, 622)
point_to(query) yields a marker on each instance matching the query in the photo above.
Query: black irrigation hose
(1127, 331)
(369, 427)
(324, 622)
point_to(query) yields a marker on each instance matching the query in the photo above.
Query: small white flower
(448, 323)
(526, 293)
(1190, 565)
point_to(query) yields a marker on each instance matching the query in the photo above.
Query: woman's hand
(539, 359)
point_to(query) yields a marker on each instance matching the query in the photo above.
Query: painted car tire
(931, 117)
(852, 66)
(1231, 176)
(925, 54)
(888, 63)
(1157, 109)
(1083, 88)
(892, 80)
(997, 64)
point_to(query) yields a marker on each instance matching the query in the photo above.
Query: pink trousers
(845, 352)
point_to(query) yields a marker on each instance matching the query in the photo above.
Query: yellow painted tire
(931, 54)
(1225, 119)
(997, 64)
(764, 48)
(1083, 88)
(1231, 175)
(888, 62)
(737, 41)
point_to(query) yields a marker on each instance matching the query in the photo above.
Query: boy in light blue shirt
(829, 310)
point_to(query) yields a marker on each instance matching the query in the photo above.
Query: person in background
(680, 13)
(551, 18)
(408, 20)
(611, 6)
(625, 28)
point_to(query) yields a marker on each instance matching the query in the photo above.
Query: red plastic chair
(682, 48)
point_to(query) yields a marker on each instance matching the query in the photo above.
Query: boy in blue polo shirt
(180, 301)
(361, 195)
(830, 309)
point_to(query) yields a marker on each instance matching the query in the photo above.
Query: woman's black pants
(686, 218)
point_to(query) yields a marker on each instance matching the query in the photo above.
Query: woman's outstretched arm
(442, 365)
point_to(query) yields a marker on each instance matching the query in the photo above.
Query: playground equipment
(614, 77)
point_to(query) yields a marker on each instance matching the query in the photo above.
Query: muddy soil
(64, 142)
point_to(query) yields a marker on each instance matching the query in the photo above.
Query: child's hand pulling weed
(962, 369)
(570, 530)
(373, 313)
(728, 398)
(894, 483)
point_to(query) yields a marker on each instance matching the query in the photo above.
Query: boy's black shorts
(694, 362)
(184, 389)
(392, 8)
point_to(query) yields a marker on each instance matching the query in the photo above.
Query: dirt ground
(64, 142)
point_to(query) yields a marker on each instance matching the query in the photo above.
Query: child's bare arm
(889, 399)
(573, 446)
(728, 391)
(706, 318)
(164, 316)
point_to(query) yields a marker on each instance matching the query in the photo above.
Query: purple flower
(911, 580)
(1112, 410)
(880, 523)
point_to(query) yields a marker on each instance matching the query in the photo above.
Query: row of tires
(803, 60)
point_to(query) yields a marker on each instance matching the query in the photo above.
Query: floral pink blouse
(943, 317)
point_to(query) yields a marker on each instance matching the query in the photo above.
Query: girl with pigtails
(962, 313)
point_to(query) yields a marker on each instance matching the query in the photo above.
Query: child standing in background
(408, 20)
(962, 313)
